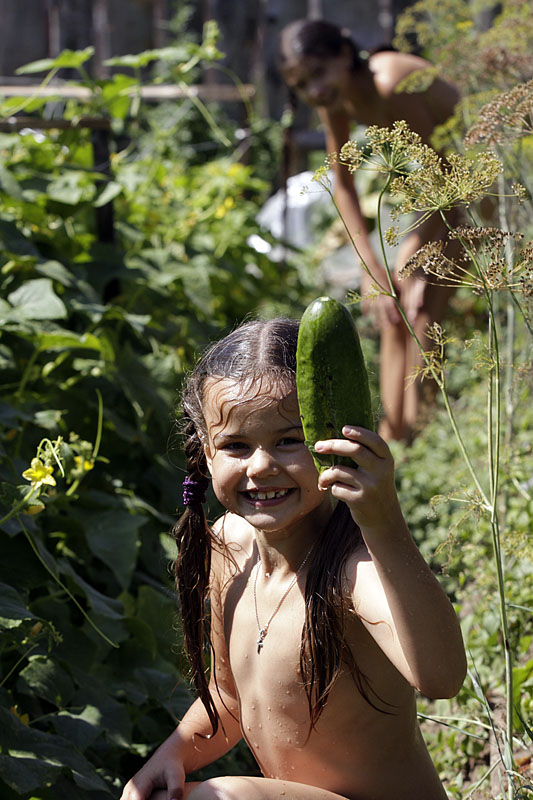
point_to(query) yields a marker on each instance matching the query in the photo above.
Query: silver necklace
(264, 630)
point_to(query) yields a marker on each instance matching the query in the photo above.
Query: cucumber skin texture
(331, 377)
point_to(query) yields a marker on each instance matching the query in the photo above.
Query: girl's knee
(215, 789)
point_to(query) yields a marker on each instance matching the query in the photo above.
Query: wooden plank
(36, 123)
(155, 93)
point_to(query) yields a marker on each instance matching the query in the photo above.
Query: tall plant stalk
(490, 501)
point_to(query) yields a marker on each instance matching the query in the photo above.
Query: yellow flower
(224, 207)
(39, 474)
(83, 463)
(24, 718)
(35, 508)
(236, 169)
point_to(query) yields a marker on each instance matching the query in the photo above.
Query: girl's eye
(233, 447)
(290, 440)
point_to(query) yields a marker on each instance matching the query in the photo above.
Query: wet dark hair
(256, 352)
(316, 38)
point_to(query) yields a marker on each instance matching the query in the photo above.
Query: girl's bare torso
(357, 751)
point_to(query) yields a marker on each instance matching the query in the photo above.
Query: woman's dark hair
(316, 38)
(256, 352)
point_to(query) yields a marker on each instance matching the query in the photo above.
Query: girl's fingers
(370, 439)
(360, 445)
(346, 476)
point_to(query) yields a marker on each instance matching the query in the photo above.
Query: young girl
(322, 66)
(324, 616)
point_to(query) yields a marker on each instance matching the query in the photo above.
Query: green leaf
(113, 536)
(71, 188)
(138, 60)
(66, 340)
(117, 94)
(56, 271)
(102, 605)
(45, 678)
(68, 59)
(31, 759)
(81, 729)
(26, 774)
(9, 184)
(36, 299)
(12, 608)
(14, 242)
(112, 190)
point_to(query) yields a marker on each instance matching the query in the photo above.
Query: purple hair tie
(193, 492)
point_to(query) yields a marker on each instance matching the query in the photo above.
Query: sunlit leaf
(67, 59)
(36, 299)
(12, 608)
(111, 190)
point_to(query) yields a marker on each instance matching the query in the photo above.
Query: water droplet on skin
(260, 725)
(248, 728)
(253, 708)
(269, 709)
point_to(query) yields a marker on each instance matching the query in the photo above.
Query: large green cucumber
(331, 377)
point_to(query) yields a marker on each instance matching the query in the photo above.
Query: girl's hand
(164, 771)
(368, 487)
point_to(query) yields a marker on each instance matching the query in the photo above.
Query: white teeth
(268, 495)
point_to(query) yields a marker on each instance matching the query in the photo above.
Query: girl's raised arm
(396, 595)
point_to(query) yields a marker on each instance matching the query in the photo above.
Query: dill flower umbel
(508, 116)
(485, 265)
(439, 186)
(417, 176)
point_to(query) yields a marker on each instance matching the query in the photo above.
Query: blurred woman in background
(323, 67)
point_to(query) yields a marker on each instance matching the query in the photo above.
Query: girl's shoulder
(233, 542)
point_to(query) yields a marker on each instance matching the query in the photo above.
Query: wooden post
(54, 28)
(159, 17)
(101, 37)
(102, 163)
(386, 19)
(315, 9)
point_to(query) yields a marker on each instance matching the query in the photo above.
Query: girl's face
(259, 464)
(320, 81)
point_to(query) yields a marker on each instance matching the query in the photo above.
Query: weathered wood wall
(32, 29)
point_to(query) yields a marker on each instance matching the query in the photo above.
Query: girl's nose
(261, 462)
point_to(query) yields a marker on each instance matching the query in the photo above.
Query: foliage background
(96, 338)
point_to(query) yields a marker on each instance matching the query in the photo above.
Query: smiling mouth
(274, 494)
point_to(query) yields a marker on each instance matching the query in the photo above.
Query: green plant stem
(493, 443)
(17, 507)
(26, 374)
(64, 587)
(17, 663)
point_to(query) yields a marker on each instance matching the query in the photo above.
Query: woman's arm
(396, 595)
(337, 130)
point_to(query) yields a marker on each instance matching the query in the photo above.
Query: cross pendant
(262, 635)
